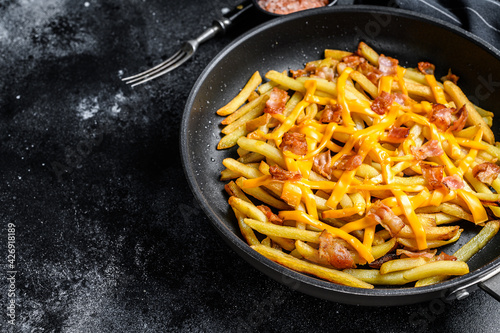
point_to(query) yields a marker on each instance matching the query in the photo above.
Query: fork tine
(165, 70)
(172, 59)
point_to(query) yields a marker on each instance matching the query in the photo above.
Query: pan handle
(489, 282)
(492, 286)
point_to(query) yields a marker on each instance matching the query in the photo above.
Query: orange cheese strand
(291, 194)
(341, 82)
(400, 72)
(324, 140)
(417, 227)
(476, 208)
(369, 235)
(256, 182)
(308, 198)
(353, 241)
(437, 91)
(340, 213)
(340, 188)
(385, 84)
(358, 225)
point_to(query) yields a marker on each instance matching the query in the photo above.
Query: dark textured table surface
(108, 236)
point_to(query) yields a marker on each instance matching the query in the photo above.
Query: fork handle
(227, 19)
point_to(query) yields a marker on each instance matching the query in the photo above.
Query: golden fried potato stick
(242, 96)
(474, 118)
(328, 274)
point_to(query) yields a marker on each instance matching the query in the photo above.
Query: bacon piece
(453, 182)
(422, 254)
(349, 162)
(382, 103)
(459, 123)
(450, 77)
(444, 256)
(429, 149)
(398, 133)
(277, 101)
(325, 72)
(334, 251)
(433, 174)
(332, 113)
(441, 116)
(294, 142)
(353, 60)
(378, 263)
(486, 172)
(401, 98)
(371, 72)
(271, 217)
(426, 68)
(279, 174)
(383, 215)
(387, 65)
(321, 164)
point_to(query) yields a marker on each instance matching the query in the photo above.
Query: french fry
(474, 118)
(401, 264)
(442, 267)
(246, 231)
(270, 229)
(336, 54)
(242, 96)
(263, 196)
(374, 277)
(252, 114)
(331, 275)
(263, 148)
(231, 139)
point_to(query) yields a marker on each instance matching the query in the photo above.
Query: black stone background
(109, 237)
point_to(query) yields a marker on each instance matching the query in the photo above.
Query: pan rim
(242, 247)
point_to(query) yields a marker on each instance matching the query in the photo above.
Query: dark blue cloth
(481, 17)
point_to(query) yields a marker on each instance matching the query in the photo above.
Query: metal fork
(189, 48)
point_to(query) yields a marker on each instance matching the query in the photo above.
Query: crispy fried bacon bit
(378, 263)
(334, 251)
(324, 72)
(429, 149)
(426, 68)
(401, 98)
(271, 217)
(422, 254)
(371, 72)
(321, 164)
(353, 60)
(387, 65)
(332, 113)
(450, 77)
(277, 101)
(459, 123)
(294, 143)
(382, 103)
(349, 162)
(444, 256)
(433, 174)
(453, 182)
(398, 133)
(279, 174)
(441, 116)
(486, 172)
(383, 215)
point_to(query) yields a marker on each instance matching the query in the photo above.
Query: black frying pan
(290, 41)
